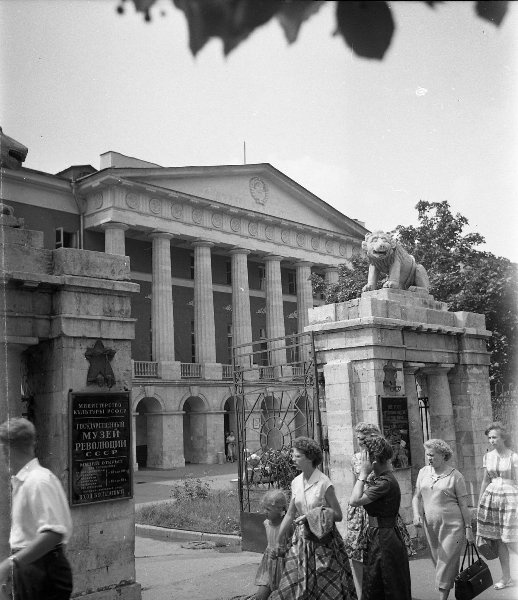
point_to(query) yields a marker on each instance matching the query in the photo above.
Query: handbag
(488, 548)
(473, 580)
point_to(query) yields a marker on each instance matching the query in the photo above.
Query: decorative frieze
(155, 206)
(132, 201)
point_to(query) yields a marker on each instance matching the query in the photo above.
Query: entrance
(275, 403)
(148, 433)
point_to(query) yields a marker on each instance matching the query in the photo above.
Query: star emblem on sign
(100, 371)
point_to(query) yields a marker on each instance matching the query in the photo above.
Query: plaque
(395, 427)
(100, 447)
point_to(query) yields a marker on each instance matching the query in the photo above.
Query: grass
(216, 513)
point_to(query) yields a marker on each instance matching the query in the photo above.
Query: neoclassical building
(223, 256)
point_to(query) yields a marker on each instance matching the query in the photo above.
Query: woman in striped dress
(497, 517)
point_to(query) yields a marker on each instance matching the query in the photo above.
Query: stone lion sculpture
(388, 257)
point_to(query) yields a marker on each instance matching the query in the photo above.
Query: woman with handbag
(497, 516)
(440, 506)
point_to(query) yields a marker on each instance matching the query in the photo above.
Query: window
(229, 342)
(193, 343)
(262, 277)
(292, 283)
(228, 272)
(65, 239)
(263, 347)
(192, 267)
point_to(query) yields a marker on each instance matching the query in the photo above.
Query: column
(274, 309)
(442, 422)
(414, 418)
(331, 275)
(162, 326)
(304, 303)
(114, 241)
(241, 319)
(204, 333)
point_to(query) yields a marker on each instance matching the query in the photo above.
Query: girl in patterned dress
(316, 566)
(357, 519)
(497, 516)
(270, 570)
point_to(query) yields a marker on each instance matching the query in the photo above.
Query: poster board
(100, 447)
(395, 427)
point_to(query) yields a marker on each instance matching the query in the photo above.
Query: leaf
(494, 11)
(291, 15)
(367, 27)
(230, 20)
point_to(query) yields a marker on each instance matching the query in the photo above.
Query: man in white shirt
(41, 523)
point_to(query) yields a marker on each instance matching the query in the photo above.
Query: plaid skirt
(316, 569)
(497, 515)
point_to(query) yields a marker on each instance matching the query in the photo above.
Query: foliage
(218, 512)
(466, 278)
(366, 27)
(272, 466)
(189, 489)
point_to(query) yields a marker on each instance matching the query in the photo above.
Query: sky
(436, 119)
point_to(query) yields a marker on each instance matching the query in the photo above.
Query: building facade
(222, 255)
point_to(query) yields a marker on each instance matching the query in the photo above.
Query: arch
(148, 432)
(195, 430)
(135, 400)
(188, 395)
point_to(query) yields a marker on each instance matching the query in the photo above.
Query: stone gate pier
(402, 360)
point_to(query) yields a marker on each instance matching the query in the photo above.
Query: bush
(190, 488)
(217, 512)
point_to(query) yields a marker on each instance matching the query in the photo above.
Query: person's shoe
(503, 584)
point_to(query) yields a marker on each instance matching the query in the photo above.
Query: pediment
(258, 188)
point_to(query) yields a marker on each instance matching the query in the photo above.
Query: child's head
(274, 504)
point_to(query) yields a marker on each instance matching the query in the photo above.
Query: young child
(270, 570)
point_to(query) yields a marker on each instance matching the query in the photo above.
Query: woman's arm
(287, 521)
(333, 503)
(486, 480)
(466, 515)
(417, 508)
(358, 498)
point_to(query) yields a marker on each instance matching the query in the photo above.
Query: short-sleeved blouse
(500, 466)
(311, 493)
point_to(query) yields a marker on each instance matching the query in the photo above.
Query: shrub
(190, 488)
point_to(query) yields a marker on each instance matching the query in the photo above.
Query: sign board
(395, 427)
(100, 447)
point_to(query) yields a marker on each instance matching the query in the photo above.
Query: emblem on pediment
(197, 215)
(252, 228)
(177, 211)
(268, 232)
(235, 224)
(329, 246)
(155, 206)
(285, 236)
(97, 200)
(342, 249)
(301, 239)
(132, 200)
(315, 243)
(259, 190)
(217, 220)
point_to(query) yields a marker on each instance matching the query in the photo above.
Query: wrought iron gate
(276, 399)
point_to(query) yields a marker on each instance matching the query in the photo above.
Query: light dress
(497, 515)
(443, 522)
(270, 570)
(315, 569)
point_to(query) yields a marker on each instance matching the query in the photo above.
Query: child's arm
(287, 522)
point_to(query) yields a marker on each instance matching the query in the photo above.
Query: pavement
(168, 570)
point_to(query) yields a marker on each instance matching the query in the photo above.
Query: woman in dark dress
(386, 573)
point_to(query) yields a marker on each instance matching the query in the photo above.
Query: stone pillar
(414, 418)
(172, 441)
(134, 440)
(114, 242)
(304, 293)
(204, 333)
(162, 327)
(442, 423)
(241, 318)
(274, 309)
(331, 275)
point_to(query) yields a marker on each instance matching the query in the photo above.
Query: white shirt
(311, 493)
(39, 504)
